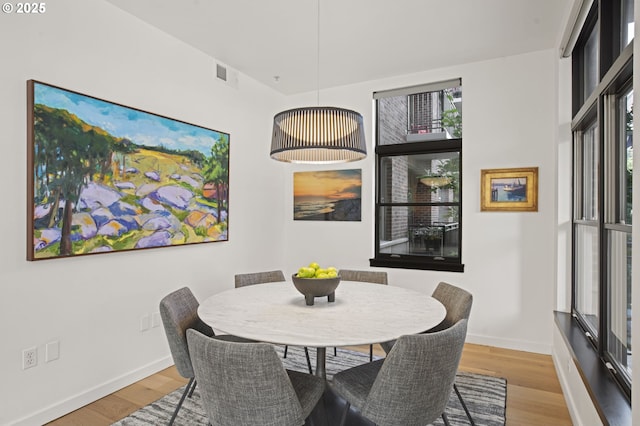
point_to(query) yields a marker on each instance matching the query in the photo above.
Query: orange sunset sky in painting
(332, 185)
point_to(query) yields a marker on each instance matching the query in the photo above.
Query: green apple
(306, 272)
(314, 265)
(332, 274)
(322, 275)
(332, 268)
(320, 271)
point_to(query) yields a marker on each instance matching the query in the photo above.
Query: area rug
(485, 396)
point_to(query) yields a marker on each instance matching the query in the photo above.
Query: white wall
(93, 304)
(509, 120)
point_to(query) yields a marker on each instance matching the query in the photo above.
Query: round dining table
(362, 314)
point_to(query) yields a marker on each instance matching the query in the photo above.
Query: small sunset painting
(332, 195)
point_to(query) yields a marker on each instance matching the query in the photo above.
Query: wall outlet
(29, 358)
(52, 351)
(144, 323)
(156, 320)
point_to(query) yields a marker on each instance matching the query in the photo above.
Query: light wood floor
(534, 396)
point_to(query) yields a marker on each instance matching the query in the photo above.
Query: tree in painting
(216, 171)
(68, 156)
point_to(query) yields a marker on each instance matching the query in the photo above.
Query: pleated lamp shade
(318, 135)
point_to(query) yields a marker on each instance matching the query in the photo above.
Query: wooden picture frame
(103, 177)
(509, 189)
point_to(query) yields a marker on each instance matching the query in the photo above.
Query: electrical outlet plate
(156, 320)
(29, 358)
(52, 351)
(145, 323)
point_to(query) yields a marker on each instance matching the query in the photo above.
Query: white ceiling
(360, 40)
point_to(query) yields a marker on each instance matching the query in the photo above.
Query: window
(603, 151)
(418, 177)
(627, 23)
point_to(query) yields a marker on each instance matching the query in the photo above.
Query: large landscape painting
(104, 177)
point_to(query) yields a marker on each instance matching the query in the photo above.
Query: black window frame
(413, 261)
(615, 74)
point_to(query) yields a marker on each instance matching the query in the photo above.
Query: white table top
(363, 313)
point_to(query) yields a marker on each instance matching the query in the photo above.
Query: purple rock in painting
(132, 170)
(153, 176)
(175, 196)
(41, 211)
(47, 237)
(129, 222)
(190, 181)
(157, 239)
(152, 205)
(157, 223)
(102, 216)
(94, 195)
(85, 224)
(125, 185)
(112, 229)
(120, 208)
(101, 249)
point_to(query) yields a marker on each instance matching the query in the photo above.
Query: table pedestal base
(329, 412)
(321, 357)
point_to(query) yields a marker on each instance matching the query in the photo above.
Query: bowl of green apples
(313, 281)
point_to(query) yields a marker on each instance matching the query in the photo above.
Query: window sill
(412, 264)
(610, 401)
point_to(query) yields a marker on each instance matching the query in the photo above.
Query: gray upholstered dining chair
(412, 385)
(179, 312)
(243, 280)
(375, 277)
(458, 303)
(246, 384)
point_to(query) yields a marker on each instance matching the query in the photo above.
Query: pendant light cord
(318, 59)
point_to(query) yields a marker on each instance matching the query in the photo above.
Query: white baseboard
(518, 345)
(68, 405)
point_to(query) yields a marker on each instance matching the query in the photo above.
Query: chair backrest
(416, 378)
(243, 383)
(375, 277)
(259, 278)
(457, 301)
(179, 312)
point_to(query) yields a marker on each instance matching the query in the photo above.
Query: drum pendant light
(318, 135)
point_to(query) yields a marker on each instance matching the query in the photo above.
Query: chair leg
(445, 420)
(466, 410)
(335, 351)
(285, 351)
(306, 353)
(343, 419)
(195, 382)
(370, 353)
(184, 395)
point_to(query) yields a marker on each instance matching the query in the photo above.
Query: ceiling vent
(221, 72)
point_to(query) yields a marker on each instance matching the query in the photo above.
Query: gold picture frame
(509, 189)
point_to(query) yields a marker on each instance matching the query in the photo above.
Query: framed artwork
(103, 177)
(509, 189)
(332, 195)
